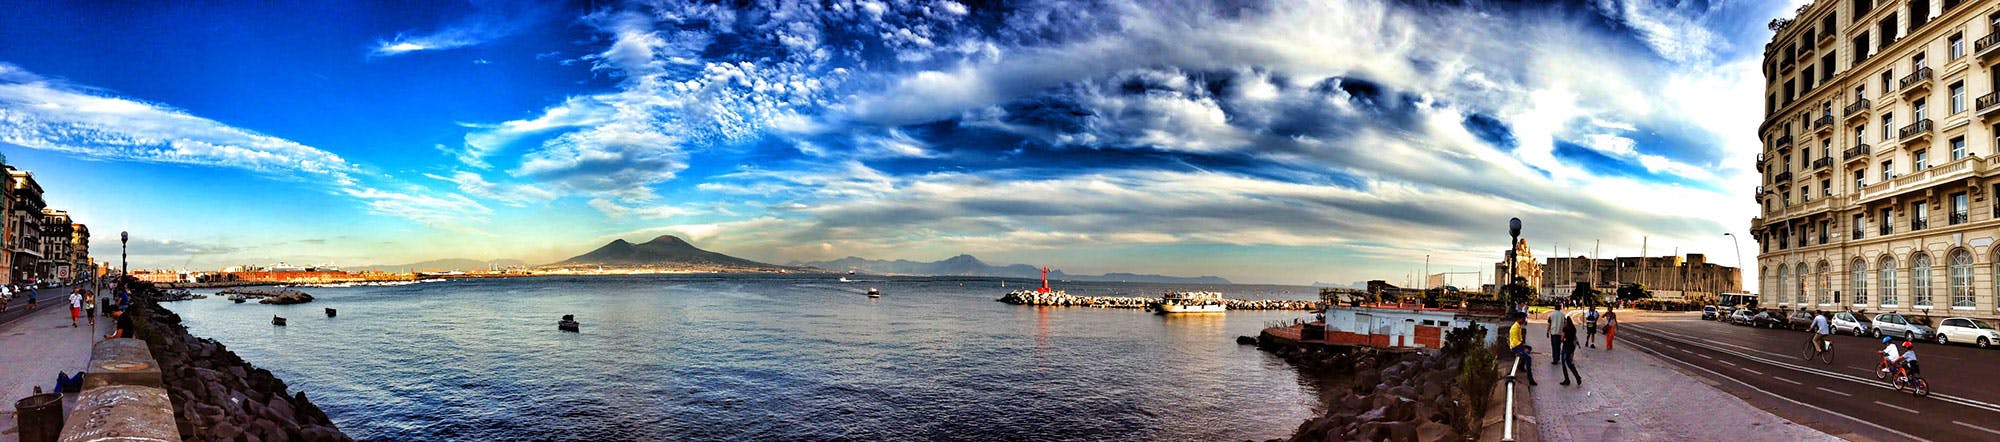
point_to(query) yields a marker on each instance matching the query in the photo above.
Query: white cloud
(492, 20)
(517, 195)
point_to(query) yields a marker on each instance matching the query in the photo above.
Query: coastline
(216, 395)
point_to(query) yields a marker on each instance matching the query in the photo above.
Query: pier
(1059, 298)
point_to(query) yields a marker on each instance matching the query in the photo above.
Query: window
(1957, 148)
(1919, 215)
(1960, 211)
(1857, 284)
(1920, 160)
(1825, 229)
(1784, 284)
(1889, 126)
(1961, 279)
(1888, 280)
(1920, 112)
(1819, 294)
(1882, 222)
(1860, 132)
(1805, 193)
(1888, 170)
(1920, 280)
(1858, 219)
(1859, 181)
(1888, 80)
(1957, 45)
(1957, 97)
(1799, 285)
(1826, 187)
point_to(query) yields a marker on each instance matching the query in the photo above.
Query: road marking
(1755, 372)
(1976, 427)
(1705, 356)
(1825, 373)
(1786, 399)
(1891, 406)
(1781, 378)
(1837, 392)
(1732, 364)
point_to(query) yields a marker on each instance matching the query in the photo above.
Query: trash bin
(39, 418)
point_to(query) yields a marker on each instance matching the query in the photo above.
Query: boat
(844, 279)
(277, 320)
(331, 313)
(1189, 302)
(568, 324)
(872, 293)
(238, 298)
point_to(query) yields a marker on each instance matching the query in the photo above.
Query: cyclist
(1889, 354)
(1910, 360)
(1820, 329)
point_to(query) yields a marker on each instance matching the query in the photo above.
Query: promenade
(1628, 394)
(35, 346)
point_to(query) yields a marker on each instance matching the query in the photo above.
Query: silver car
(1849, 323)
(1897, 325)
(1967, 330)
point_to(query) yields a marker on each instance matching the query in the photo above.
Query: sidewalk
(34, 348)
(1631, 395)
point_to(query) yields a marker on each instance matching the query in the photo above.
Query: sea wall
(1382, 394)
(1061, 299)
(217, 396)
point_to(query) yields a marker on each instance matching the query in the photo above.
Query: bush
(1476, 377)
(1458, 341)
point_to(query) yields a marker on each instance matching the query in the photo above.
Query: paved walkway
(35, 347)
(1630, 395)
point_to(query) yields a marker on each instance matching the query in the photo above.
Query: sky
(1274, 142)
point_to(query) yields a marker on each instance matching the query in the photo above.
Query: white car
(1849, 323)
(1967, 330)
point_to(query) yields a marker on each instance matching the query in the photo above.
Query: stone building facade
(1524, 260)
(1669, 277)
(1879, 165)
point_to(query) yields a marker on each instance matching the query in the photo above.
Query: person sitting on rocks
(123, 328)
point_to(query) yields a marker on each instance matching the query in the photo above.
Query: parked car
(1850, 323)
(1799, 319)
(1769, 319)
(1709, 312)
(1740, 317)
(1897, 325)
(1967, 331)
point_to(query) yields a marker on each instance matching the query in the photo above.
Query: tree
(1633, 291)
(1584, 295)
(1518, 292)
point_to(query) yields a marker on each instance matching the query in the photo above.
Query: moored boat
(1190, 302)
(872, 293)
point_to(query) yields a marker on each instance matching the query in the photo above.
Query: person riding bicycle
(1889, 354)
(1910, 359)
(1820, 330)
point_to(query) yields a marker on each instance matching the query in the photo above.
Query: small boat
(1189, 302)
(331, 312)
(238, 298)
(844, 279)
(873, 293)
(568, 324)
(278, 321)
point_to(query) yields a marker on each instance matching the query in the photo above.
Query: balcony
(1823, 124)
(1919, 224)
(1857, 110)
(1985, 46)
(1784, 141)
(1944, 173)
(1919, 81)
(1918, 131)
(1806, 52)
(1822, 163)
(1960, 218)
(1986, 104)
(1813, 207)
(1782, 177)
(1855, 153)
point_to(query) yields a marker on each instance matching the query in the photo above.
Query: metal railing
(1986, 103)
(1983, 43)
(1855, 153)
(1822, 163)
(1920, 77)
(1857, 108)
(1823, 122)
(1920, 127)
(1960, 218)
(1507, 429)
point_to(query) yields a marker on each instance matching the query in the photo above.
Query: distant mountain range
(967, 265)
(665, 252)
(444, 265)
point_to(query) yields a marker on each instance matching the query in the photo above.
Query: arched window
(1857, 285)
(1783, 276)
(1961, 279)
(1799, 285)
(1820, 294)
(1764, 278)
(1920, 280)
(1888, 280)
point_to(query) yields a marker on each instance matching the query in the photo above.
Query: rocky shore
(1399, 395)
(271, 296)
(1062, 299)
(217, 396)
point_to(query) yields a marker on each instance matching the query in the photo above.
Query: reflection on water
(705, 357)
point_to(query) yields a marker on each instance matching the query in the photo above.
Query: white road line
(1706, 356)
(1782, 378)
(1836, 392)
(1976, 427)
(1782, 363)
(1755, 372)
(1732, 364)
(1896, 407)
(1786, 399)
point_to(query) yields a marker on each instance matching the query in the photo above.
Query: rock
(1353, 402)
(282, 409)
(1246, 340)
(1403, 391)
(268, 430)
(1435, 431)
(225, 431)
(1376, 414)
(1399, 431)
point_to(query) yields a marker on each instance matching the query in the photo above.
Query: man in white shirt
(75, 307)
(1557, 319)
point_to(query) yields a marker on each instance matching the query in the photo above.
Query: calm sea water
(732, 357)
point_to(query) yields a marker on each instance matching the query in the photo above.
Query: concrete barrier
(122, 361)
(122, 413)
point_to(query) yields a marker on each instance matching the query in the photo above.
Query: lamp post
(1513, 263)
(123, 266)
(1739, 255)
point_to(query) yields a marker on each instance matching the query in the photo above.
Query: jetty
(271, 296)
(1044, 297)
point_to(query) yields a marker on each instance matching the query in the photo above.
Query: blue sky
(1285, 141)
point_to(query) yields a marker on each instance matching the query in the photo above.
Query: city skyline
(1289, 143)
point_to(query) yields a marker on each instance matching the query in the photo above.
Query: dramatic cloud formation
(494, 19)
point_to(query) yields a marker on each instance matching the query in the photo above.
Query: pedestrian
(1557, 319)
(75, 307)
(90, 307)
(1590, 323)
(31, 299)
(1517, 340)
(1569, 355)
(122, 327)
(1610, 326)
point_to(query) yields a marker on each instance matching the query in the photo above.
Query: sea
(767, 358)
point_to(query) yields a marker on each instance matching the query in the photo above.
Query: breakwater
(1059, 298)
(217, 396)
(270, 296)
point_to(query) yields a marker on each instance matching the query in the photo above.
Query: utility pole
(1427, 272)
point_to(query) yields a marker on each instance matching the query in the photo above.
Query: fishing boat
(844, 279)
(238, 298)
(568, 324)
(1189, 302)
(872, 293)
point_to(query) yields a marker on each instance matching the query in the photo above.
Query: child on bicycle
(1910, 359)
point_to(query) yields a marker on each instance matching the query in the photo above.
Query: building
(56, 237)
(1879, 163)
(79, 249)
(1524, 260)
(1668, 277)
(23, 236)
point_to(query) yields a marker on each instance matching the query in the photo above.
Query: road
(1764, 367)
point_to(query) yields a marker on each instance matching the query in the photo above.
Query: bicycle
(1824, 353)
(1916, 384)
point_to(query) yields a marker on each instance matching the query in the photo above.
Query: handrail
(1507, 429)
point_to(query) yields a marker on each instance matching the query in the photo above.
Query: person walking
(31, 299)
(1610, 326)
(1569, 355)
(75, 306)
(1590, 324)
(90, 306)
(1557, 321)
(1517, 340)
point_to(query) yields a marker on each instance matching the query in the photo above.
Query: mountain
(443, 265)
(968, 265)
(666, 251)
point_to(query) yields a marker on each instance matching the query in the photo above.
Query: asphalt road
(1765, 367)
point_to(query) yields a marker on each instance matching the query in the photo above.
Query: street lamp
(123, 266)
(1513, 263)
